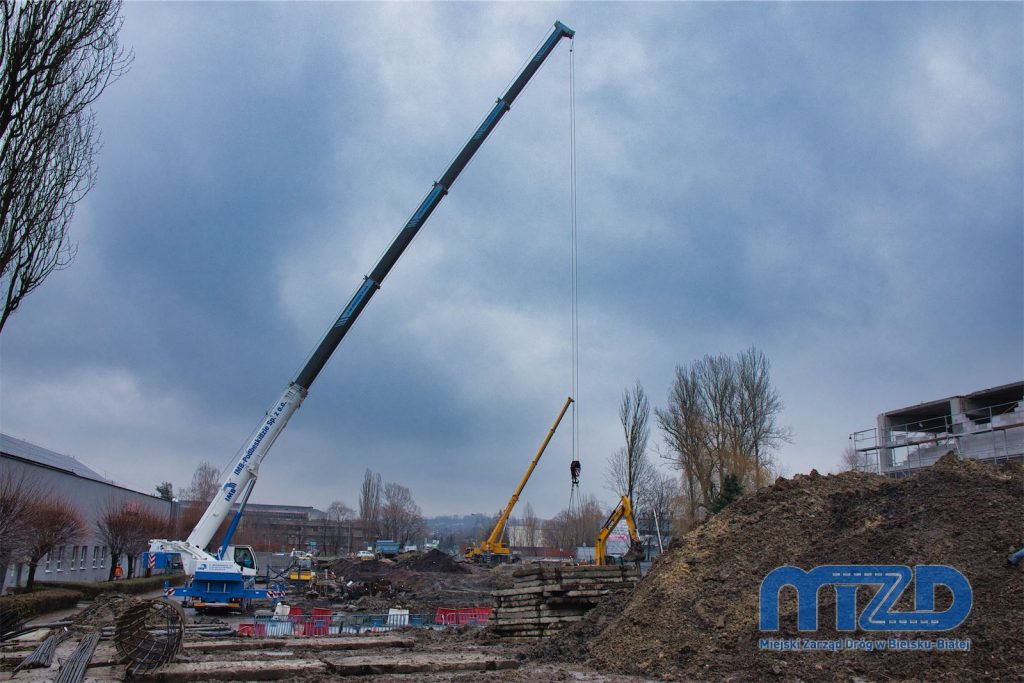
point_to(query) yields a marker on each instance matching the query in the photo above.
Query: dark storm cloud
(838, 184)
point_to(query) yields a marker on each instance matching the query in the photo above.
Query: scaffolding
(983, 426)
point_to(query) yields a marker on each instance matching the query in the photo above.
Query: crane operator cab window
(244, 557)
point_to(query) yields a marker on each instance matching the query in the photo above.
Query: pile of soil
(696, 613)
(361, 570)
(421, 582)
(435, 561)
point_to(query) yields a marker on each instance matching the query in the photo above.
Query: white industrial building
(88, 559)
(985, 425)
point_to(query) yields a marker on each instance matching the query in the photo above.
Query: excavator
(494, 549)
(636, 550)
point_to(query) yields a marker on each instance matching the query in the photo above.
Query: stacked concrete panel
(544, 599)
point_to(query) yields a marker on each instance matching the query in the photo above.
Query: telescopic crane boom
(494, 544)
(242, 475)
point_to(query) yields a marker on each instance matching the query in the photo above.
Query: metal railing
(989, 433)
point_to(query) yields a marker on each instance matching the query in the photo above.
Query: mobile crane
(623, 510)
(219, 579)
(494, 548)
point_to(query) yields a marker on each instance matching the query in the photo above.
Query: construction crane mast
(241, 477)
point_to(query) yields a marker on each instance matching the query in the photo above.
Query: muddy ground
(419, 582)
(694, 616)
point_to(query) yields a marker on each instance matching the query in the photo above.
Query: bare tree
(685, 425)
(400, 517)
(56, 59)
(337, 527)
(569, 530)
(721, 420)
(205, 484)
(629, 471)
(126, 528)
(559, 531)
(531, 526)
(759, 408)
(18, 490)
(148, 525)
(340, 512)
(113, 526)
(634, 415)
(54, 523)
(857, 461)
(658, 515)
(589, 520)
(370, 501)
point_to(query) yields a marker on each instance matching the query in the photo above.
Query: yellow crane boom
(494, 545)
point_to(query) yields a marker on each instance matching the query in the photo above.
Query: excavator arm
(623, 510)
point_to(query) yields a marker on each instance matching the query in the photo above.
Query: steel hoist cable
(575, 504)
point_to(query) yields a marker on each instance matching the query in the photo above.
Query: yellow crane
(636, 551)
(494, 547)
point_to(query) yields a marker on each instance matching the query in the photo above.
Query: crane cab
(245, 558)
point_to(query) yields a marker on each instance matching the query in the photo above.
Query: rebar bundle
(73, 668)
(42, 656)
(148, 634)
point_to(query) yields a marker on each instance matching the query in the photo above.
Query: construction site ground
(694, 616)
(410, 655)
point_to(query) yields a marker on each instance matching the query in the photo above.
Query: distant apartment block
(282, 528)
(985, 425)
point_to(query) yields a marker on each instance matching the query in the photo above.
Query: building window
(81, 560)
(103, 557)
(74, 559)
(95, 556)
(60, 557)
(46, 567)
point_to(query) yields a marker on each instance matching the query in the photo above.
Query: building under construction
(985, 425)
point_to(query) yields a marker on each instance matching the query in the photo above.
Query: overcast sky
(837, 184)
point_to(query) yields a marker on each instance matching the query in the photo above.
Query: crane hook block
(574, 470)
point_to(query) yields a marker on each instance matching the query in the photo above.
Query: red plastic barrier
(320, 624)
(462, 616)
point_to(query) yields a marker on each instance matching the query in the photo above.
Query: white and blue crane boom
(223, 579)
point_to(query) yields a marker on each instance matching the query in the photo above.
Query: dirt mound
(420, 581)
(696, 613)
(361, 570)
(435, 561)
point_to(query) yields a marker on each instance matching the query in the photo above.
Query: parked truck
(386, 548)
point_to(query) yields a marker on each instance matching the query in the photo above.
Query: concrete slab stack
(546, 599)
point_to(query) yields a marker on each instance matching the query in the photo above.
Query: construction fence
(323, 622)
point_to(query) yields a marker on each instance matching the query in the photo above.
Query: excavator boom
(623, 510)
